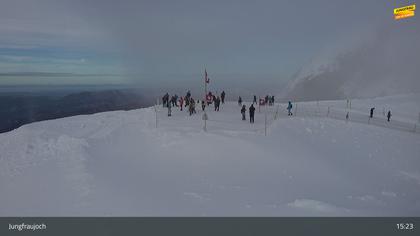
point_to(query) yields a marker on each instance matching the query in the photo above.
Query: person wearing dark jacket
(251, 113)
(243, 110)
(239, 101)
(169, 109)
(289, 108)
(389, 115)
(255, 100)
(191, 107)
(371, 112)
(187, 98)
(165, 100)
(217, 104)
(203, 105)
(222, 96)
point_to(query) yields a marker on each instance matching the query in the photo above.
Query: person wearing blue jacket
(289, 108)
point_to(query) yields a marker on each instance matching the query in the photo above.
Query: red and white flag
(206, 79)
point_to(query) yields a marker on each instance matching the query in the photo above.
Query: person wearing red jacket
(181, 102)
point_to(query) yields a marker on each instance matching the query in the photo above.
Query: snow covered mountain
(386, 62)
(120, 164)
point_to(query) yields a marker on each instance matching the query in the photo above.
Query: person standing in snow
(272, 100)
(165, 100)
(371, 112)
(181, 102)
(218, 103)
(187, 98)
(193, 106)
(190, 106)
(203, 105)
(251, 113)
(243, 110)
(239, 101)
(289, 108)
(175, 100)
(389, 115)
(169, 109)
(255, 100)
(172, 101)
(209, 98)
(222, 96)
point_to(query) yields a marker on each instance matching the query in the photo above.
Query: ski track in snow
(120, 164)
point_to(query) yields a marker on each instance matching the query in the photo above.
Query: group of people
(188, 102)
(269, 100)
(211, 98)
(388, 114)
(251, 113)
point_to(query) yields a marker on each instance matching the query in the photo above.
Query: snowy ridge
(120, 164)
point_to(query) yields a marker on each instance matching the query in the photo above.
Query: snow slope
(120, 164)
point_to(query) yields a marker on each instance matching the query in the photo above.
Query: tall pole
(205, 87)
(265, 122)
(205, 99)
(156, 115)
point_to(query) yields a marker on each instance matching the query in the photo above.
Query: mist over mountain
(385, 61)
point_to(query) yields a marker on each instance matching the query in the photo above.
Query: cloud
(316, 206)
(383, 61)
(246, 37)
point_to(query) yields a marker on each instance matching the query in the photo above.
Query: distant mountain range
(17, 110)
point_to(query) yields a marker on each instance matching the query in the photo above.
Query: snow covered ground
(120, 164)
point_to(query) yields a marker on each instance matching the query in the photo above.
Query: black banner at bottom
(219, 226)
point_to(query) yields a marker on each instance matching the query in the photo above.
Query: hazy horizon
(275, 38)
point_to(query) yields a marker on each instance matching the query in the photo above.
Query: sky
(151, 41)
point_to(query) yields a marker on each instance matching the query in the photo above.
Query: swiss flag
(207, 79)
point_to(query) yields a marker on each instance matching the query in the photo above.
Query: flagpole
(205, 87)
(205, 99)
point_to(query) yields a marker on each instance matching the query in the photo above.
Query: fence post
(156, 116)
(265, 123)
(205, 117)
